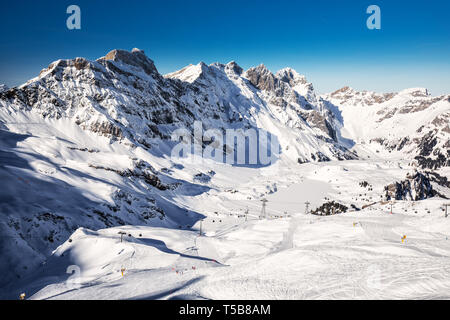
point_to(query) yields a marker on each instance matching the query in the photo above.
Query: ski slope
(356, 255)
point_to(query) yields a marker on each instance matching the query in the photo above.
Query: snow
(356, 255)
(410, 91)
(71, 189)
(317, 258)
(189, 73)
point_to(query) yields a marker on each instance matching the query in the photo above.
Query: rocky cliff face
(417, 186)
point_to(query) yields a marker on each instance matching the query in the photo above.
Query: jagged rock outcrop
(417, 186)
(431, 157)
(293, 95)
(136, 58)
(437, 178)
(262, 78)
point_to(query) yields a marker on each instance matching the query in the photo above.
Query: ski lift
(121, 235)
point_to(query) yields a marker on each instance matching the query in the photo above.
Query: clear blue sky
(326, 40)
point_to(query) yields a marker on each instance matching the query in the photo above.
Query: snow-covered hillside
(410, 124)
(85, 153)
(366, 254)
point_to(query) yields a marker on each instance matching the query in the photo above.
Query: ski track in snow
(356, 255)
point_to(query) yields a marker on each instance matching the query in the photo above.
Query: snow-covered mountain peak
(291, 76)
(234, 67)
(192, 72)
(135, 58)
(260, 70)
(350, 96)
(344, 90)
(189, 73)
(285, 79)
(137, 50)
(262, 78)
(122, 96)
(415, 92)
(298, 83)
(3, 87)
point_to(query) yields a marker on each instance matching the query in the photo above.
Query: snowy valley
(94, 205)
